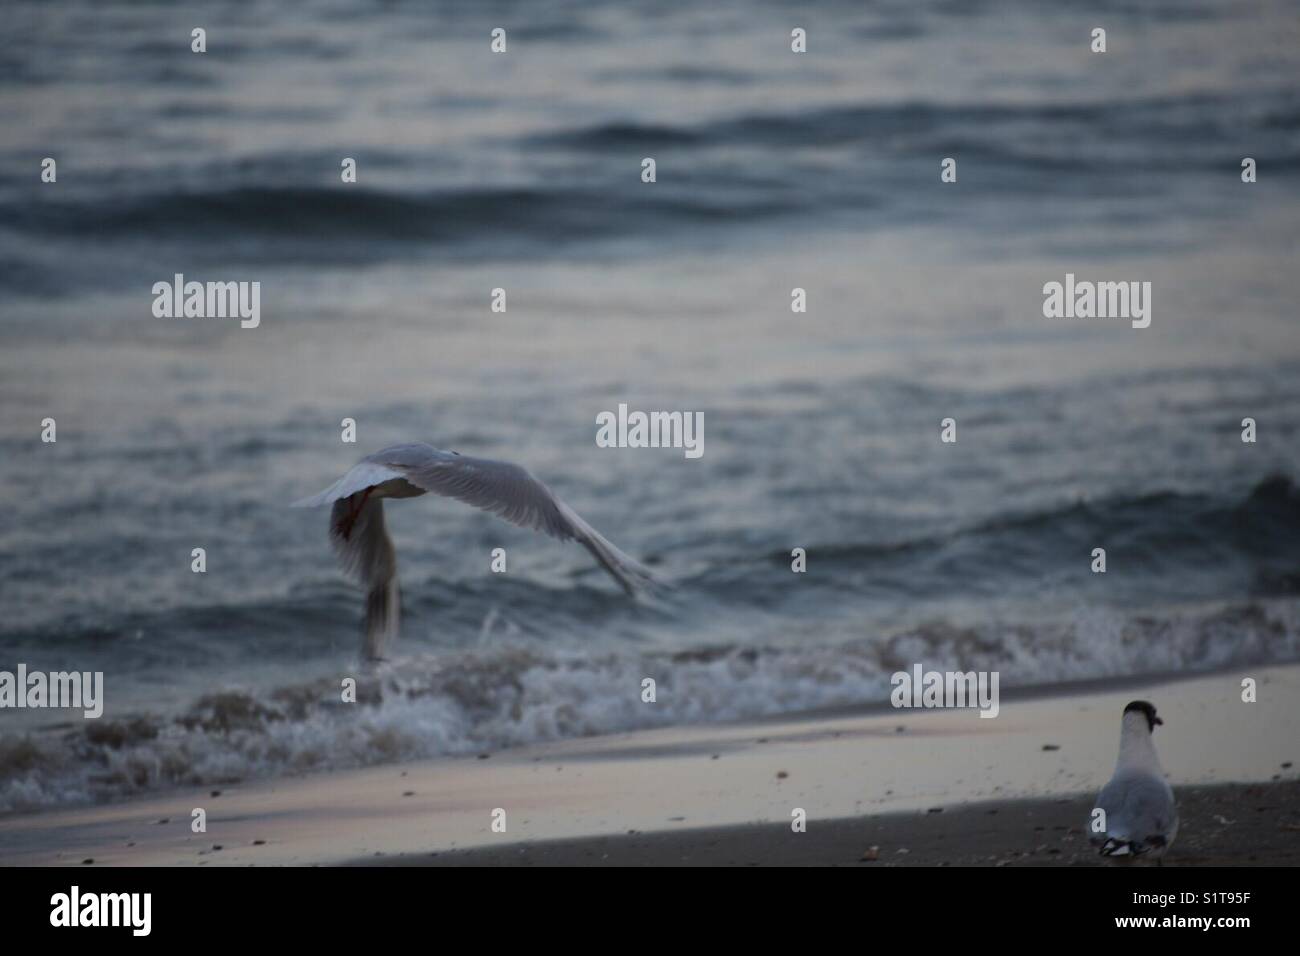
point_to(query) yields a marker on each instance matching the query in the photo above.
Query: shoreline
(842, 769)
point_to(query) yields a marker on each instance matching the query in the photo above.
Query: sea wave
(1181, 545)
(506, 696)
(740, 166)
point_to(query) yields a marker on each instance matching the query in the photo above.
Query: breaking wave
(474, 701)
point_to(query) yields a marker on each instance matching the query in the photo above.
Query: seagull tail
(1113, 847)
(366, 554)
(1117, 848)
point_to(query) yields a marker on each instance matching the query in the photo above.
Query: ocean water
(522, 171)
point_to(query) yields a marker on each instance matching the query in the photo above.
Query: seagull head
(1147, 710)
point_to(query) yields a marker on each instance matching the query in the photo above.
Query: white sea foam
(505, 696)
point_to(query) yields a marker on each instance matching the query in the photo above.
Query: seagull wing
(510, 492)
(1140, 813)
(364, 474)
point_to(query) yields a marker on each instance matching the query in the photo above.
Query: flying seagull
(1141, 818)
(366, 552)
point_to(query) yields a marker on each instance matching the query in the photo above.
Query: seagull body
(365, 550)
(1141, 817)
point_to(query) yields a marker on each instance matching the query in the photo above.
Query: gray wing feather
(365, 474)
(510, 492)
(1138, 807)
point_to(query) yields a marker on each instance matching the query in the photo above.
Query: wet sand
(1225, 825)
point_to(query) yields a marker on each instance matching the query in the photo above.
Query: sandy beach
(923, 787)
(1226, 825)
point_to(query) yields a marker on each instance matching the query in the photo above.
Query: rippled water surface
(522, 171)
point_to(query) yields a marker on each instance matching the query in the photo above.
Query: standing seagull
(1141, 818)
(404, 471)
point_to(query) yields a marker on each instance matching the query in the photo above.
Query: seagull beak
(1159, 722)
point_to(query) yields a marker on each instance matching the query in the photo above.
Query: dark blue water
(522, 171)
